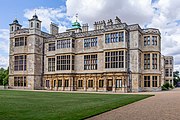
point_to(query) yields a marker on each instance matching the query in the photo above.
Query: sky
(161, 14)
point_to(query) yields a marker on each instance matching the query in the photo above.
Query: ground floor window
(154, 81)
(54, 83)
(59, 83)
(80, 83)
(118, 83)
(146, 81)
(66, 83)
(20, 81)
(101, 83)
(47, 83)
(90, 83)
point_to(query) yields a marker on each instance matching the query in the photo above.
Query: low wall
(3, 87)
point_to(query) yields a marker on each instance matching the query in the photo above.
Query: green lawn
(21, 105)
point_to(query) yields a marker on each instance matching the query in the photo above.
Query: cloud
(167, 21)
(48, 15)
(4, 61)
(4, 47)
(130, 11)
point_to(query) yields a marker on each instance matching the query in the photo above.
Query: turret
(14, 26)
(35, 25)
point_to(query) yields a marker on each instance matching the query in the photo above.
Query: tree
(4, 76)
(176, 77)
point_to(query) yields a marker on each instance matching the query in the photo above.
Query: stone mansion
(113, 57)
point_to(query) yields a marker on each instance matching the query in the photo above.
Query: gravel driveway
(162, 106)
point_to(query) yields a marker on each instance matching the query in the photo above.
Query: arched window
(17, 28)
(31, 24)
(37, 25)
(12, 28)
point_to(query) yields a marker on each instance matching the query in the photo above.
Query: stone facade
(113, 57)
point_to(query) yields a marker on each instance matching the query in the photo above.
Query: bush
(171, 86)
(166, 85)
(163, 88)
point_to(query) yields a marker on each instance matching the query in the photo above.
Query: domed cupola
(35, 17)
(76, 24)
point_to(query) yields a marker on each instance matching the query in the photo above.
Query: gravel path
(162, 106)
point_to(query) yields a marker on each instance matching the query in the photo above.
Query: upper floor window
(51, 47)
(170, 62)
(171, 73)
(154, 61)
(146, 40)
(90, 62)
(114, 37)
(166, 72)
(51, 64)
(64, 43)
(90, 42)
(21, 41)
(12, 28)
(64, 62)
(166, 62)
(146, 61)
(114, 59)
(154, 40)
(20, 63)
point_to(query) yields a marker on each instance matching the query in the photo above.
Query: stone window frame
(166, 72)
(80, 83)
(90, 62)
(154, 81)
(51, 46)
(147, 81)
(47, 83)
(154, 60)
(90, 42)
(51, 64)
(20, 81)
(66, 83)
(114, 59)
(154, 40)
(101, 83)
(63, 62)
(64, 43)
(20, 41)
(147, 61)
(59, 82)
(114, 37)
(90, 83)
(118, 83)
(20, 62)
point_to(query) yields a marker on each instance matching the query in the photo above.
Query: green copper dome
(76, 25)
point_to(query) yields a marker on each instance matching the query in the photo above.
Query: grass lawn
(21, 105)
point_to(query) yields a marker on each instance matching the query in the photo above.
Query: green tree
(4, 76)
(176, 77)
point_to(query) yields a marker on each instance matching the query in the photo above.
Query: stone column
(69, 88)
(63, 84)
(150, 81)
(114, 84)
(85, 84)
(51, 83)
(105, 83)
(95, 86)
(56, 84)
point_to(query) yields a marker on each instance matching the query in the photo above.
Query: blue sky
(11, 9)
(161, 14)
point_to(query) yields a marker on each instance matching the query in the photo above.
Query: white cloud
(48, 15)
(4, 61)
(130, 11)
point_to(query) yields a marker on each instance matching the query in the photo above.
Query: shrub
(171, 86)
(163, 88)
(166, 85)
